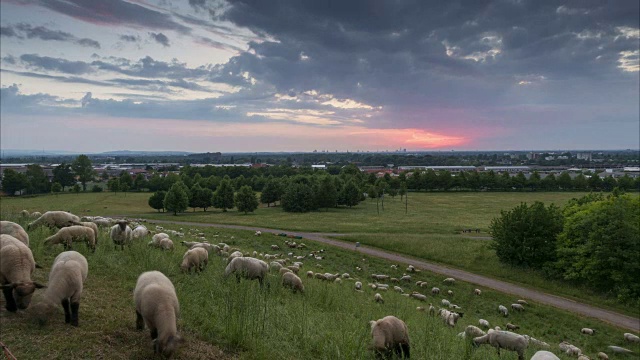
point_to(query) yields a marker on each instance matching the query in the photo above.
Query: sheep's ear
(38, 285)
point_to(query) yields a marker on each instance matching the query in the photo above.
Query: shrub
(96, 188)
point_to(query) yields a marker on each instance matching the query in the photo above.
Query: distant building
(452, 169)
(508, 169)
(584, 156)
(319, 167)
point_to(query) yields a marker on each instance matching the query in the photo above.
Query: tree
(271, 192)
(156, 201)
(246, 199)
(13, 181)
(114, 185)
(549, 183)
(56, 188)
(327, 194)
(298, 198)
(580, 182)
(564, 181)
(63, 175)
(351, 193)
(140, 183)
(403, 190)
(176, 199)
(37, 181)
(84, 171)
(76, 188)
(125, 181)
(200, 198)
(526, 235)
(223, 196)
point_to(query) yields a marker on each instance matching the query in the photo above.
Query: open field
(431, 230)
(225, 319)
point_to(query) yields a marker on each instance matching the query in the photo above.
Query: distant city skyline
(286, 76)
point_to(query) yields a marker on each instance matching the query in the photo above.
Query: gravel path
(520, 292)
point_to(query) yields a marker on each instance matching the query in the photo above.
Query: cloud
(23, 30)
(160, 38)
(47, 63)
(130, 38)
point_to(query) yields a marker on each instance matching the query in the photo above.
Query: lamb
(198, 257)
(450, 318)
(629, 337)
(603, 356)
(157, 307)
(292, 281)
(247, 267)
(139, 232)
(121, 234)
(587, 331)
(504, 340)
(378, 298)
(390, 335)
(517, 307)
(511, 326)
(477, 292)
(54, 219)
(15, 230)
(503, 310)
(435, 291)
(449, 281)
(573, 351)
(544, 355)
(432, 310)
(484, 323)
(619, 350)
(66, 279)
(16, 267)
(69, 234)
(473, 331)
(92, 226)
(309, 274)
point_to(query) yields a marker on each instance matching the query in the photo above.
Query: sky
(290, 75)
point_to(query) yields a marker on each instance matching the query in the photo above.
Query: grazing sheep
(432, 310)
(406, 278)
(121, 234)
(24, 213)
(276, 266)
(587, 331)
(15, 230)
(477, 292)
(473, 331)
(235, 254)
(309, 274)
(390, 335)
(358, 285)
(435, 291)
(420, 308)
(294, 268)
(66, 279)
(292, 281)
(166, 244)
(445, 302)
(398, 289)
(544, 355)
(16, 267)
(378, 298)
(497, 328)
(247, 267)
(338, 281)
(484, 323)
(603, 356)
(102, 222)
(418, 296)
(522, 302)
(619, 350)
(536, 342)
(504, 340)
(450, 318)
(449, 281)
(69, 234)
(517, 307)
(450, 292)
(198, 257)
(583, 357)
(573, 351)
(503, 310)
(258, 233)
(629, 337)
(91, 225)
(155, 239)
(380, 277)
(139, 232)
(209, 247)
(54, 219)
(283, 271)
(157, 307)
(511, 326)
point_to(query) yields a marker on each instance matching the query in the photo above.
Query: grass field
(224, 319)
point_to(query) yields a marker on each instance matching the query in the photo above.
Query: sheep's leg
(67, 310)
(10, 305)
(75, 306)
(139, 321)
(154, 334)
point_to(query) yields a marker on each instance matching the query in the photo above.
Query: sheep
(454, 306)
(157, 307)
(16, 267)
(473, 331)
(309, 274)
(66, 279)
(517, 307)
(102, 222)
(544, 355)
(406, 278)
(522, 302)
(398, 289)
(573, 351)
(92, 226)
(198, 257)
(15, 230)
(445, 302)
(390, 335)
(54, 219)
(294, 268)
(140, 231)
(504, 340)
(121, 234)
(418, 296)
(512, 327)
(247, 267)
(35, 215)
(583, 357)
(346, 276)
(450, 292)
(619, 350)
(338, 281)
(166, 244)
(603, 356)
(24, 213)
(477, 292)
(258, 233)
(283, 271)
(292, 281)
(449, 281)
(432, 310)
(537, 342)
(411, 269)
(276, 266)
(587, 331)
(435, 291)
(450, 318)
(484, 323)
(380, 277)
(497, 328)
(235, 254)
(378, 298)
(629, 337)
(358, 285)
(503, 310)
(69, 234)
(209, 247)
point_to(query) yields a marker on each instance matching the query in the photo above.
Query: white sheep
(139, 232)
(24, 213)
(603, 356)
(573, 351)
(544, 355)
(619, 350)
(247, 267)
(157, 307)
(165, 244)
(418, 296)
(504, 340)
(378, 298)
(358, 285)
(390, 335)
(16, 267)
(398, 289)
(450, 318)
(309, 274)
(198, 257)
(283, 271)
(449, 281)
(102, 222)
(15, 230)
(503, 310)
(121, 234)
(484, 323)
(276, 266)
(66, 279)
(435, 291)
(629, 337)
(292, 281)
(68, 235)
(258, 233)
(517, 307)
(536, 342)
(587, 331)
(54, 219)
(477, 292)
(512, 327)
(445, 302)
(235, 254)
(35, 214)
(432, 310)
(92, 226)
(522, 302)
(473, 331)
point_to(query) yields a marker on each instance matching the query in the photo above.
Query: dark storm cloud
(130, 38)
(55, 64)
(23, 30)
(160, 38)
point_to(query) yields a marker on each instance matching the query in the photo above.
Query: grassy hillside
(223, 319)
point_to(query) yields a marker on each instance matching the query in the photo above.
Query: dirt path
(611, 317)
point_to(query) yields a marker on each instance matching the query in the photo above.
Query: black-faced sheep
(157, 307)
(67, 235)
(390, 335)
(247, 267)
(66, 279)
(292, 281)
(504, 340)
(544, 355)
(54, 219)
(16, 267)
(196, 257)
(15, 230)
(120, 234)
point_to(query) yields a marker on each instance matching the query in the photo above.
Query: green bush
(96, 188)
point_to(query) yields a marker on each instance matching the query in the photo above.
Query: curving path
(611, 317)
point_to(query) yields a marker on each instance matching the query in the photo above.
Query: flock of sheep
(155, 297)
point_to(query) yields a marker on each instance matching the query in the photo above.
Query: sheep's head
(22, 292)
(167, 346)
(41, 312)
(122, 225)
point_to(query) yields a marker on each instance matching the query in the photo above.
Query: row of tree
(35, 181)
(592, 241)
